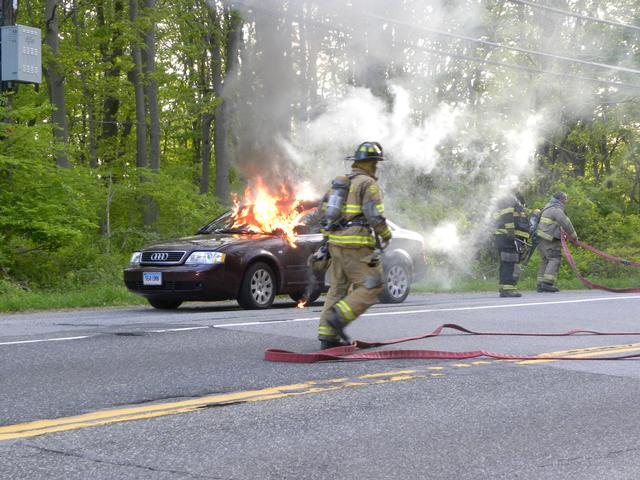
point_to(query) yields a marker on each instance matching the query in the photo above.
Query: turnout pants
(509, 257)
(355, 286)
(550, 259)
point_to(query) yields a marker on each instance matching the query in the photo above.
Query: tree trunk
(221, 146)
(55, 85)
(89, 120)
(205, 147)
(151, 86)
(111, 51)
(135, 75)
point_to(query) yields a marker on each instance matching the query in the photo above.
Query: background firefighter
(512, 234)
(552, 219)
(354, 222)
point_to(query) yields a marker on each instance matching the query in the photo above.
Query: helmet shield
(369, 151)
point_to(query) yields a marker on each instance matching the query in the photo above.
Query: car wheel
(398, 284)
(297, 296)
(164, 304)
(258, 287)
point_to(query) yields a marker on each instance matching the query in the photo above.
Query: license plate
(152, 278)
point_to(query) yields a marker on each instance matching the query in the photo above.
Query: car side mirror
(301, 230)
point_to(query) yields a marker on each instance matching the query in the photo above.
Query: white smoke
(361, 116)
(454, 145)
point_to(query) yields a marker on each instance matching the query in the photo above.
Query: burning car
(255, 252)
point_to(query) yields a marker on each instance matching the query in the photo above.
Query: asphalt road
(143, 394)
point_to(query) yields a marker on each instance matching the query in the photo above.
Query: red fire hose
(355, 350)
(611, 258)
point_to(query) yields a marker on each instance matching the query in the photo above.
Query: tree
(151, 84)
(136, 77)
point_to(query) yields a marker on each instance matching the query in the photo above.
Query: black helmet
(560, 196)
(368, 151)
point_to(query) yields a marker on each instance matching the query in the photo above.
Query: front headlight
(205, 258)
(135, 258)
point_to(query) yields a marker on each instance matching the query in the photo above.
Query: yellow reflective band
(380, 208)
(507, 287)
(325, 330)
(510, 225)
(548, 276)
(520, 233)
(547, 221)
(544, 235)
(351, 240)
(345, 309)
(505, 211)
(373, 188)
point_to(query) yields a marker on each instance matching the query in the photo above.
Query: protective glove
(374, 259)
(319, 260)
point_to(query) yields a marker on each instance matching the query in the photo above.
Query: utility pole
(8, 13)
(7, 18)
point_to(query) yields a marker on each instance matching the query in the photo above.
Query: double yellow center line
(105, 417)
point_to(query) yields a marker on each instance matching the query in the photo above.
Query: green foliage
(62, 229)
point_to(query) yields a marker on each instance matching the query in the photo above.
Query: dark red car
(221, 263)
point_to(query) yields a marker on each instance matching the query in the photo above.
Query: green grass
(528, 282)
(17, 300)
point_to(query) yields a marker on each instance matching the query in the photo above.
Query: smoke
(317, 78)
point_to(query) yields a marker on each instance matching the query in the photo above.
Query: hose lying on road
(611, 258)
(354, 351)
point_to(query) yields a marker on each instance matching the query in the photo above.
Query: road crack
(118, 464)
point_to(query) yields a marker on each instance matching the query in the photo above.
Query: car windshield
(224, 224)
(309, 223)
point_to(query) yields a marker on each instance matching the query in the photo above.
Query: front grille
(162, 258)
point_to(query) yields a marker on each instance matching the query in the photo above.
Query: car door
(307, 241)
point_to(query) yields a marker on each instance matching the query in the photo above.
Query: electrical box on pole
(21, 54)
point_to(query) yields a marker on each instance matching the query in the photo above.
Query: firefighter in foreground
(356, 233)
(552, 218)
(512, 235)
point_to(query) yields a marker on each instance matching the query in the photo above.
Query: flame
(265, 211)
(302, 303)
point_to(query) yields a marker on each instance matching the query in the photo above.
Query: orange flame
(302, 303)
(264, 211)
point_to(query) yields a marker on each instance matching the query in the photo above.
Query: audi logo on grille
(159, 257)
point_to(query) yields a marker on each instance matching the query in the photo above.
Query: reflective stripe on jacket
(511, 218)
(552, 219)
(364, 201)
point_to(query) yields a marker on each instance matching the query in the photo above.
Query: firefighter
(552, 219)
(356, 232)
(512, 235)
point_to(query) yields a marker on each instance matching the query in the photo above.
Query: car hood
(213, 241)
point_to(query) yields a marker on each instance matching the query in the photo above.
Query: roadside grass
(107, 294)
(17, 300)
(527, 282)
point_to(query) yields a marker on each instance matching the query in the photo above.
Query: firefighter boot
(325, 344)
(334, 322)
(539, 288)
(510, 293)
(548, 287)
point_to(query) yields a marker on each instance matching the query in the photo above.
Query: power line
(463, 57)
(521, 68)
(575, 15)
(499, 45)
